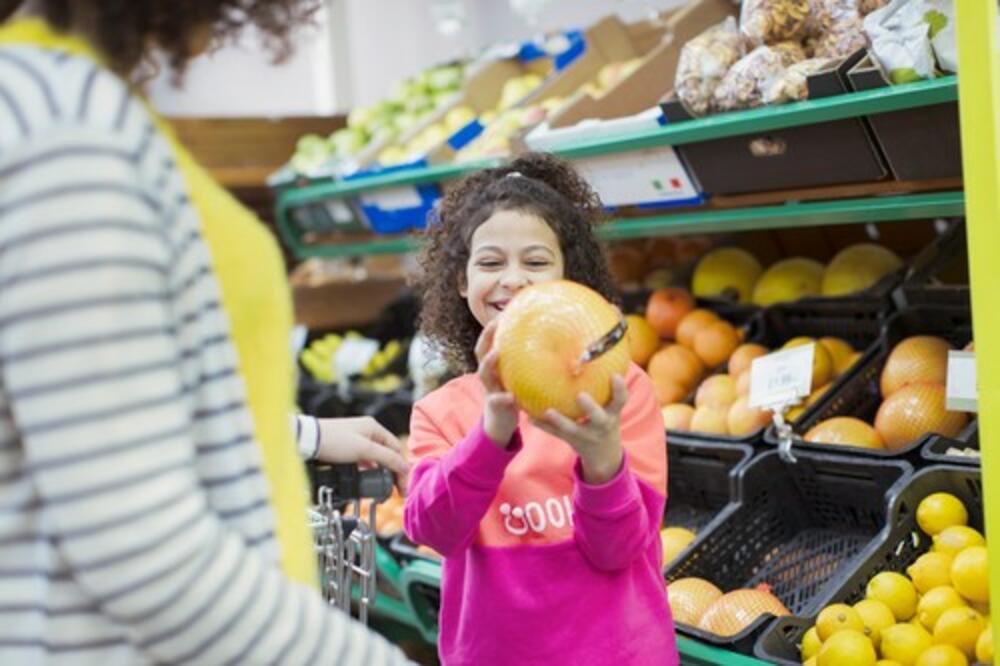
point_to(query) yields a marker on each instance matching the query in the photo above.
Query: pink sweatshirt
(539, 566)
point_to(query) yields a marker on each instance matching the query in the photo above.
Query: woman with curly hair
(152, 502)
(549, 528)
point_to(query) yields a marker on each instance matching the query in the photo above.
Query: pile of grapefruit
(698, 603)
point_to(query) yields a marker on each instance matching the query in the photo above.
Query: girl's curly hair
(534, 183)
(127, 29)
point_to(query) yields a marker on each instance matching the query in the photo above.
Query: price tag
(393, 198)
(961, 394)
(782, 377)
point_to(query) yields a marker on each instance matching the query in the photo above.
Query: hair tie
(514, 174)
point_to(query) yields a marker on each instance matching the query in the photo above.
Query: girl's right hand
(499, 407)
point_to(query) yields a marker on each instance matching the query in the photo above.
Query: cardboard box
(337, 301)
(919, 144)
(831, 153)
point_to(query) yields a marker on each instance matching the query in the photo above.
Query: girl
(549, 529)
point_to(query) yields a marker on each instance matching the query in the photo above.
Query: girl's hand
(499, 408)
(597, 439)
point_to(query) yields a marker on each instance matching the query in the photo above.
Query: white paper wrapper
(940, 18)
(900, 40)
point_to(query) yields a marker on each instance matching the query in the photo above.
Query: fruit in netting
(743, 419)
(692, 323)
(642, 340)
(677, 364)
(690, 598)
(715, 343)
(847, 431)
(677, 416)
(666, 308)
(918, 359)
(788, 280)
(673, 541)
(717, 391)
(857, 268)
(743, 357)
(914, 410)
(728, 273)
(735, 611)
(542, 334)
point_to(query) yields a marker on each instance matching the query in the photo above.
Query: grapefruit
(744, 419)
(914, 410)
(788, 280)
(857, 268)
(715, 343)
(690, 598)
(841, 353)
(716, 391)
(691, 324)
(712, 420)
(735, 611)
(667, 390)
(845, 431)
(674, 540)
(677, 416)
(744, 356)
(676, 364)
(743, 383)
(665, 309)
(921, 358)
(728, 273)
(540, 338)
(822, 363)
(643, 340)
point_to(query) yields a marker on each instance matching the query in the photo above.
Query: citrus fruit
(822, 363)
(940, 510)
(642, 340)
(811, 661)
(914, 410)
(935, 602)
(743, 383)
(727, 272)
(876, 616)
(918, 359)
(788, 280)
(744, 356)
(674, 540)
(712, 420)
(690, 597)
(984, 645)
(904, 642)
(716, 391)
(959, 627)
(735, 611)
(930, 570)
(895, 591)
(810, 644)
(857, 268)
(969, 574)
(678, 365)
(837, 617)
(847, 647)
(677, 416)
(541, 336)
(744, 419)
(846, 431)
(667, 391)
(665, 309)
(841, 353)
(887, 662)
(954, 539)
(715, 343)
(942, 655)
(692, 323)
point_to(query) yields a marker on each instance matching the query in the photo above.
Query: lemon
(810, 644)
(887, 662)
(984, 645)
(969, 574)
(935, 602)
(930, 570)
(811, 661)
(942, 655)
(955, 538)
(904, 642)
(876, 617)
(673, 541)
(940, 510)
(837, 617)
(847, 647)
(896, 591)
(960, 627)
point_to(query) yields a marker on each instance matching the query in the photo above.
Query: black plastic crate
(897, 547)
(406, 551)
(797, 527)
(936, 450)
(703, 480)
(940, 274)
(857, 392)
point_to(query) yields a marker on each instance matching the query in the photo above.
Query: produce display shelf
(793, 214)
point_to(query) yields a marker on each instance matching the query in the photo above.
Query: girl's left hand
(597, 439)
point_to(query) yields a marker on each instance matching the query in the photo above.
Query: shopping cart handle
(348, 482)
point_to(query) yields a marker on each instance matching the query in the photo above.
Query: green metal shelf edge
(794, 214)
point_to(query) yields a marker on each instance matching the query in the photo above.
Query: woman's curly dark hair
(547, 187)
(125, 30)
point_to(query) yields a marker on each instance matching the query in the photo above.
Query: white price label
(639, 176)
(961, 394)
(393, 198)
(782, 377)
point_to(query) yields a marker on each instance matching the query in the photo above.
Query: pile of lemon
(935, 615)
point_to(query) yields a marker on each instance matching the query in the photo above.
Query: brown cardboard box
(335, 299)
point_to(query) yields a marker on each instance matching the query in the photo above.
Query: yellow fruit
(822, 363)
(810, 644)
(710, 420)
(743, 357)
(677, 416)
(920, 359)
(959, 627)
(969, 574)
(788, 280)
(984, 645)
(690, 598)
(940, 510)
(887, 662)
(942, 655)
(935, 602)
(717, 391)
(812, 661)
(857, 268)
(674, 540)
(643, 340)
(895, 591)
(837, 617)
(743, 419)
(845, 430)
(847, 647)
(904, 642)
(841, 353)
(715, 343)
(727, 272)
(930, 570)
(956, 538)
(914, 410)
(876, 616)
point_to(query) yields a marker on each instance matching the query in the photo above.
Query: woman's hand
(362, 440)
(597, 439)
(499, 408)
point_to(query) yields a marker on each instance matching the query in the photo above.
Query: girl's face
(509, 251)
